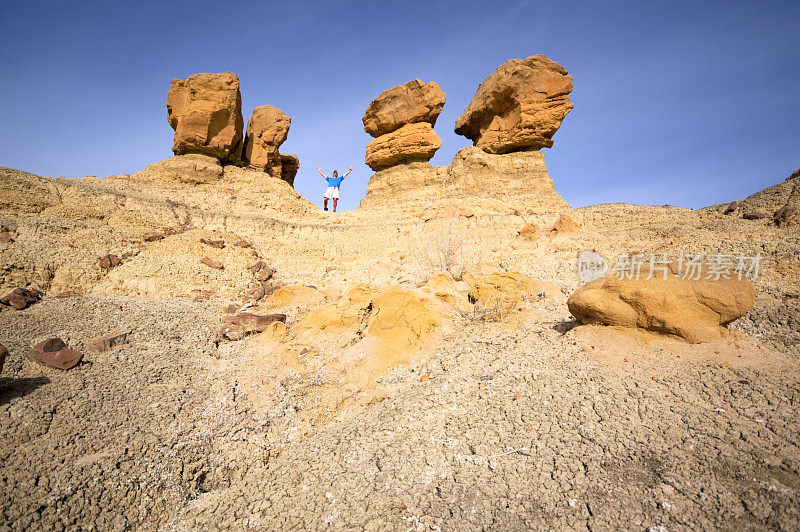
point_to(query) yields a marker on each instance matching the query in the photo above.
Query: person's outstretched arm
(350, 170)
(320, 172)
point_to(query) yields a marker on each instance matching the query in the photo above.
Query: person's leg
(335, 201)
(325, 203)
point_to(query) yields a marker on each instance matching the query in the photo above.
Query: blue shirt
(334, 181)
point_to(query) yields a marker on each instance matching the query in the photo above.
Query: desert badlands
(196, 346)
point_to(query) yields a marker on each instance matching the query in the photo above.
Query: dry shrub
(441, 246)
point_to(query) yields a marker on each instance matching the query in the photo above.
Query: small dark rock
(732, 207)
(109, 261)
(211, 263)
(219, 244)
(3, 355)
(6, 237)
(261, 271)
(753, 215)
(54, 353)
(101, 344)
(152, 236)
(785, 215)
(21, 298)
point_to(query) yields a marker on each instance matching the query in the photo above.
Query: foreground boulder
(267, 129)
(518, 107)
(205, 110)
(695, 310)
(412, 142)
(3, 355)
(409, 103)
(54, 353)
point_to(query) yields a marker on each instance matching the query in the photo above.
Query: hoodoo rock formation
(518, 107)
(401, 119)
(409, 103)
(412, 142)
(205, 110)
(267, 129)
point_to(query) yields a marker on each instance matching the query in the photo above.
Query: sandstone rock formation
(267, 129)
(695, 310)
(518, 107)
(402, 119)
(409, 103)
(290, 163)
(205, 110)
(411, 142)
(512, 181)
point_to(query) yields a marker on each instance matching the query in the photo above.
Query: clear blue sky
(687, 103)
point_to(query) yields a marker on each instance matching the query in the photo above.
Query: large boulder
(205, 110)
(409, 103)
(695, 310)
(412, 142)
(518, 107)
(267, 129)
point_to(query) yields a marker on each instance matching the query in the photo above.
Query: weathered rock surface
(695, 310)
(410, 143)
(21, 298)
(409, 103)
(205, 110)
(511, 181)
(101, 344)
(240, 325)
(290, 164)
(108, 261)
(54, 353)
(771, 200)
(565, 224)
(518, 107)
(267, 129)
(212, 263)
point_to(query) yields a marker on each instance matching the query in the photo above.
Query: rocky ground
(386, 400)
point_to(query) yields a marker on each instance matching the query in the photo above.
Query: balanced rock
(412, 142)
(409, 103)
(518, 107)
(205, 110)
(695, 310)
(54, 353)
(267, 129)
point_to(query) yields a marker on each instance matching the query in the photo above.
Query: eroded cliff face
(515, 181)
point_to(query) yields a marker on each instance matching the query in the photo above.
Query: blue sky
(686, 103)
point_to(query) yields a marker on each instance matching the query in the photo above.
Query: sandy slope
(525, 422)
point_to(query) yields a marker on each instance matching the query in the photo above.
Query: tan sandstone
(695, 310)
(205, 110)
(409, 103)
(518, 107)
(511, 181)
(410, 143)
(267, 129)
